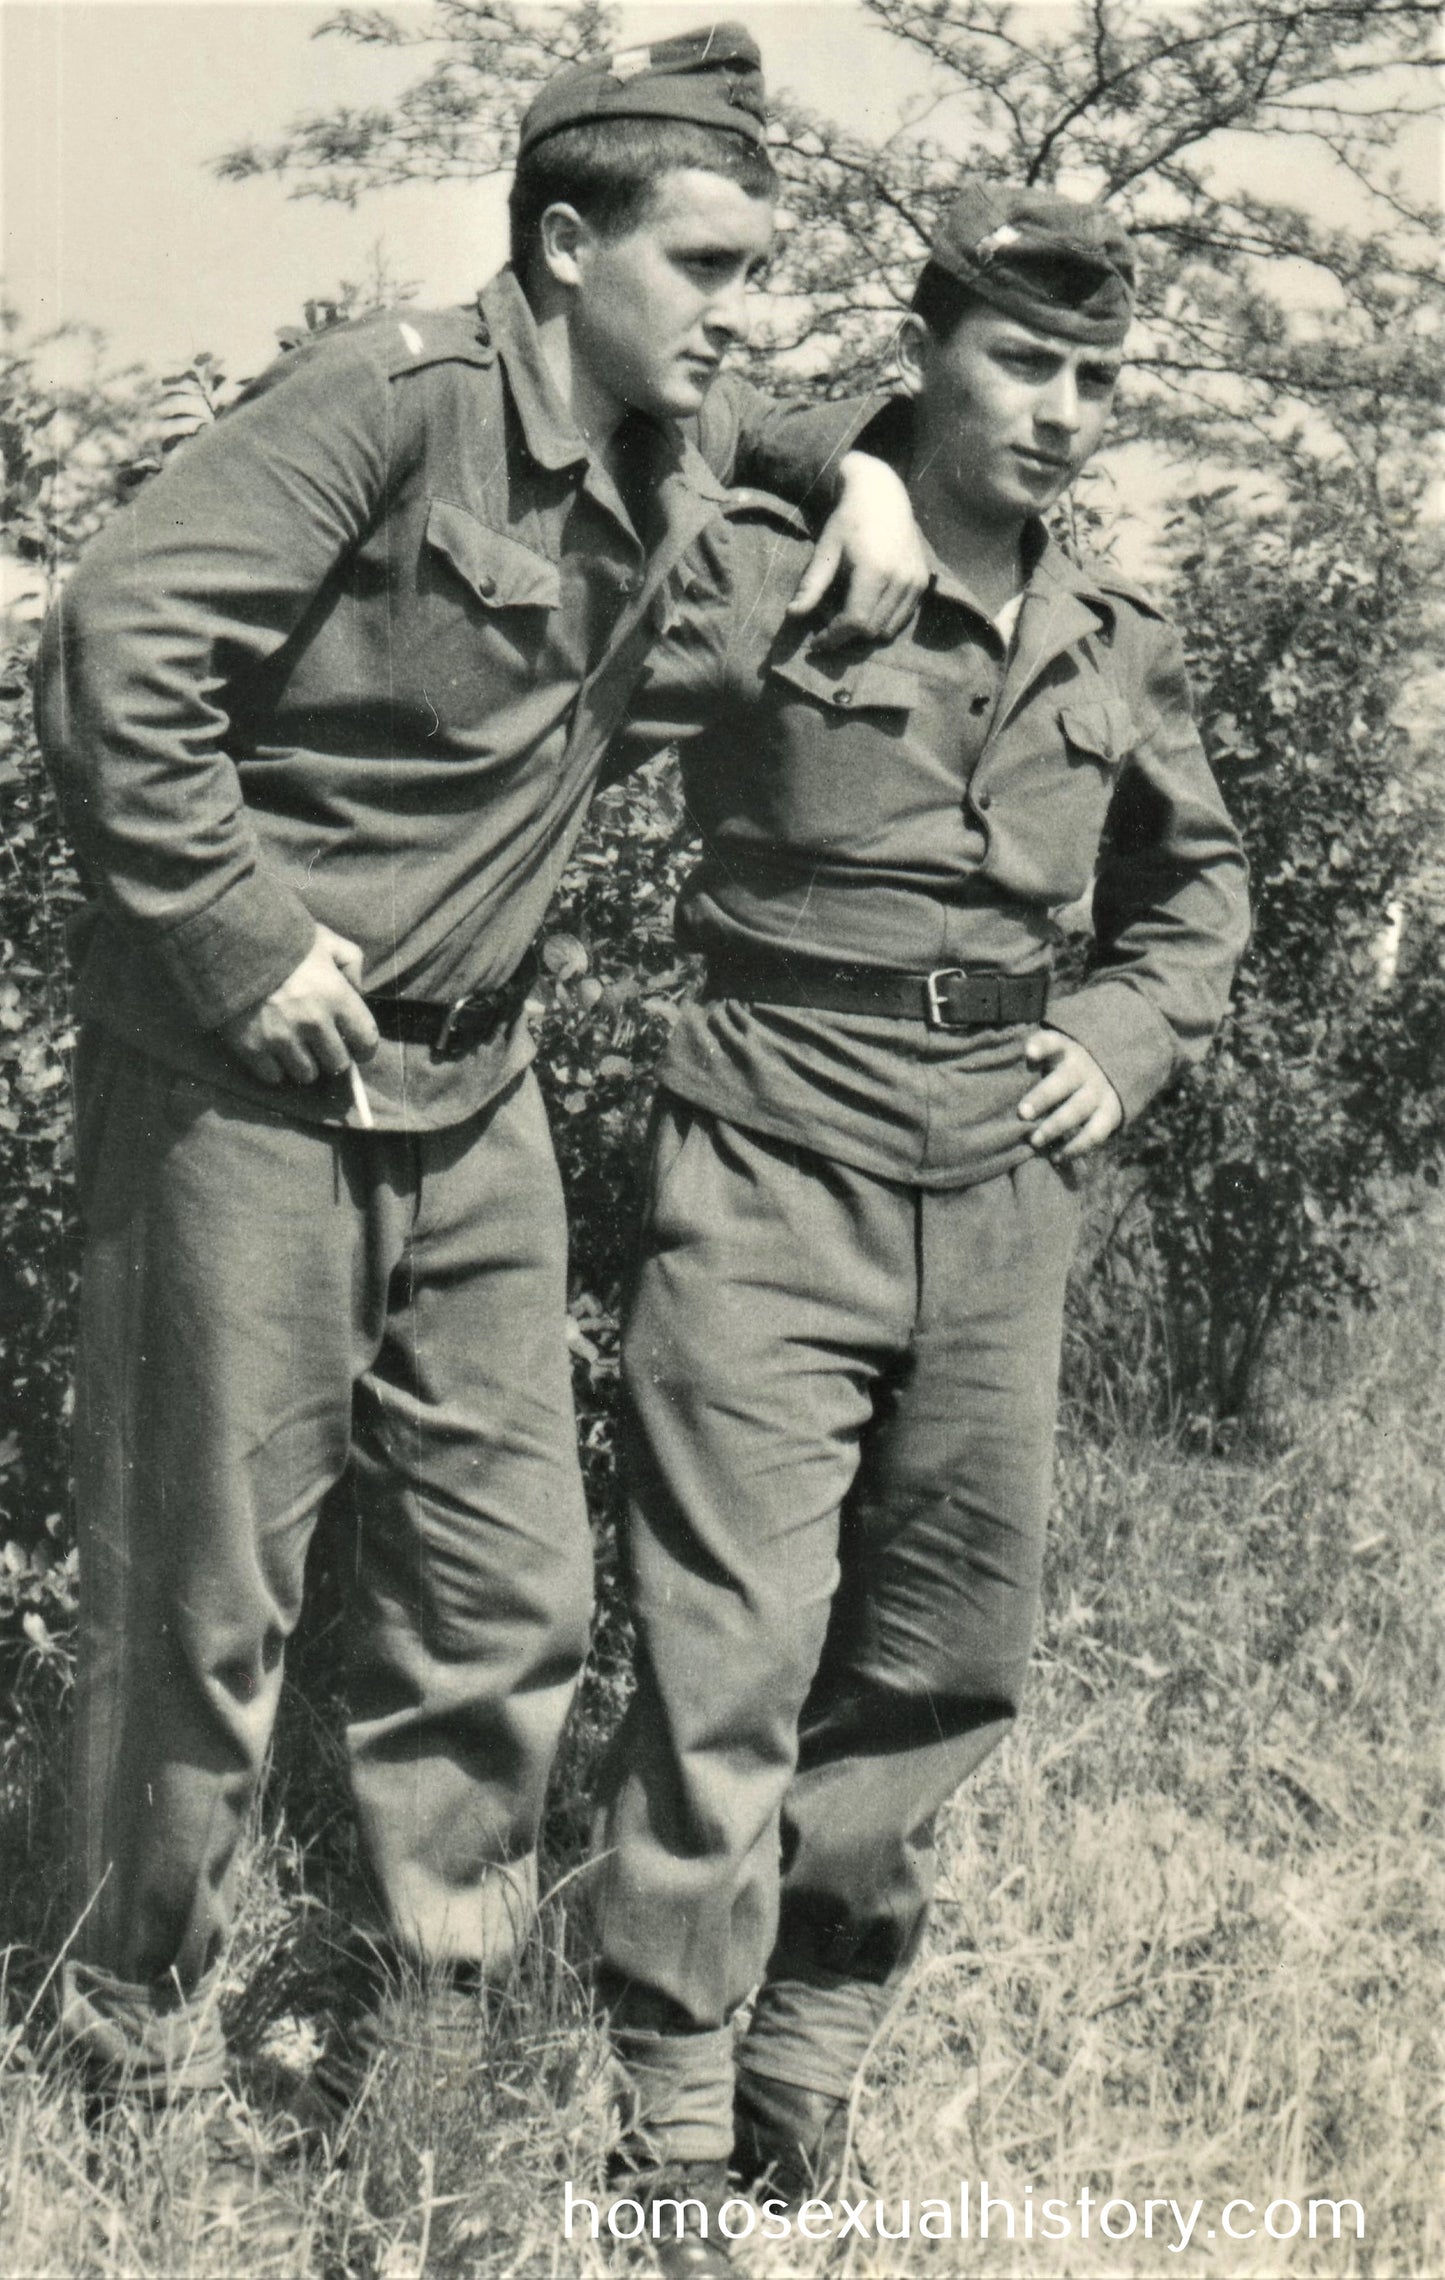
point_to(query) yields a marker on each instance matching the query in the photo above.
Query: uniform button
(984, 799)
(979, 704)
(486, 586)
(842, 696)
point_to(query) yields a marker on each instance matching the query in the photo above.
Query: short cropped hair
(609, 170)
(942, 301)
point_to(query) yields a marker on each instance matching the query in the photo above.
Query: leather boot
(699, 2249)
(789, 2142)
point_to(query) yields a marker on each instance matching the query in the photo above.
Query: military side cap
(1049, 261)
(712, 77)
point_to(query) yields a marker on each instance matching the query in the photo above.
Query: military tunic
(938, 802)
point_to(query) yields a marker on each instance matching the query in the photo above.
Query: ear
(562, 242)
(912, 350)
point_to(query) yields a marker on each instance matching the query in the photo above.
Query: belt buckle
(937, 1011)
(450, 1019)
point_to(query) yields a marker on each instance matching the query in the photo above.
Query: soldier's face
(1007, 416)
(655, 311)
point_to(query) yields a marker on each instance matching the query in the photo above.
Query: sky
(113, 112)
(114, 109)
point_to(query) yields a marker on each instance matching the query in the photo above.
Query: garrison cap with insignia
(1049, 261)
(712, 77)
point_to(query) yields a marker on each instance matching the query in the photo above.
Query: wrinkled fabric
(841, 1397)
(936, 801)
(354, 656)
(267, 1309)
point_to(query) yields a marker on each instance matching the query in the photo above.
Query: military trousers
(267, 1306)
(841, 1397)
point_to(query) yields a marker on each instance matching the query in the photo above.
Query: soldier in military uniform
(843, 1346)
(325, 706)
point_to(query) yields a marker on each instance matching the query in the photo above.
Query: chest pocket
(866, 685)
(1101, 730)
(502, 574)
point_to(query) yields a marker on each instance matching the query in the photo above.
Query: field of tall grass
(1187, 1942)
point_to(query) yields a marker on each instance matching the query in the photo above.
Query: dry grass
(1187, 1942)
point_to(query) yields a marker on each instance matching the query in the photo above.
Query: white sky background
(112, 111)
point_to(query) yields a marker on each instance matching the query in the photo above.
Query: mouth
(1040, 462)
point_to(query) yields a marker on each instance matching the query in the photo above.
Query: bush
(1269, 1174)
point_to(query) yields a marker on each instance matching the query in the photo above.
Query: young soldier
(843, 1348)
(325, 706)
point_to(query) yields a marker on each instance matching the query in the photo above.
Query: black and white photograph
(722, 1106)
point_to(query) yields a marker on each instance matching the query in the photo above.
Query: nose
(728, 317)
(1059, 405)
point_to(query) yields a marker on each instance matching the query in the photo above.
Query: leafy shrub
(1269, 1174)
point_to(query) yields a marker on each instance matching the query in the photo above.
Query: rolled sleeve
(199, 580)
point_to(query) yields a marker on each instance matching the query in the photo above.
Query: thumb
(349, 957)
(818, 577)
(1043, 1045)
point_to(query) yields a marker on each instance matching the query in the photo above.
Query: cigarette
(360, 1102)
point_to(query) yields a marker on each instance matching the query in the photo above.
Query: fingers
(874, 608)
(1092, 1134)
(314, 1025)
(263, 1066)
(328, 1037)
(349, 957)
(1043, 1047)
(1064, 1121)
(821, 571)
(359, 1032)
(1073, 1107)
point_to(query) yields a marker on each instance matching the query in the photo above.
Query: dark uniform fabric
(707, 78)
(936, 803)
(842, 1352)
(1045, 260)
(354, 657)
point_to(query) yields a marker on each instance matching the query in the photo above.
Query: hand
(872, 536)
(1075, 1100)
(315, 1024)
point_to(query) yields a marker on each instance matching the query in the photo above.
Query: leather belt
(451, 1027)
(948, 998)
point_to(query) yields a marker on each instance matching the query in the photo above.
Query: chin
(682, 397)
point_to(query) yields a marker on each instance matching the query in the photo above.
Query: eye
(1028, 363)
(1099, 379)
(709, 268)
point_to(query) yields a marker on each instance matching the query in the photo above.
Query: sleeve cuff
(239, 949)
(1132, 1043)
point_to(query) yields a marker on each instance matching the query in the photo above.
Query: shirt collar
(548, 429)
(547, 425)
(1051, 572)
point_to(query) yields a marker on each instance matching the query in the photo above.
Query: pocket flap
(499, 571)
(1103, 729)
(867, 684)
